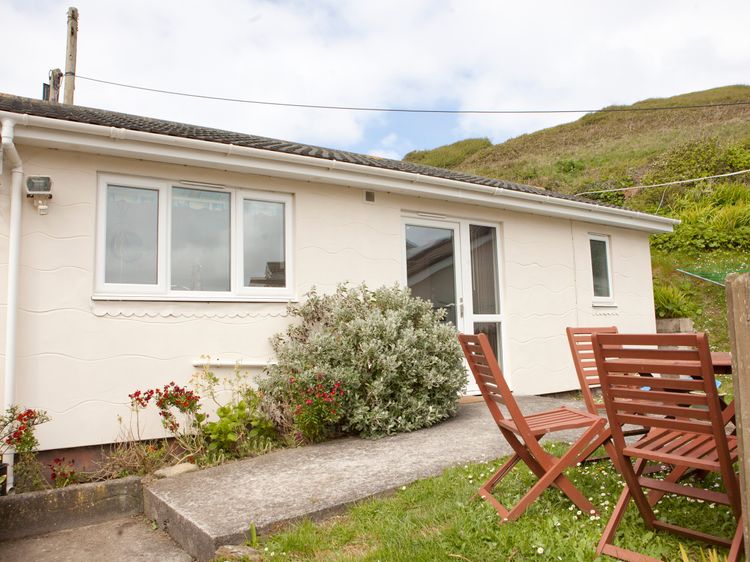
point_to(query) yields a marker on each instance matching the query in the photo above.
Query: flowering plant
(169, 399)
(316, 406)
(63, 473)
(171, 396)
(17, 429)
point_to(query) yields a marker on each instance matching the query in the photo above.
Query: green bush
(242, 427)
(400, 366)
(672, 302)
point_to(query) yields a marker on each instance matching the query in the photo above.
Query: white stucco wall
(79, 359)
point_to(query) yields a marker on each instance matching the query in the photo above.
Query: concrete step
(204, 510)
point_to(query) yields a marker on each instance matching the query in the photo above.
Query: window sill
(599, 304)
(206, 299)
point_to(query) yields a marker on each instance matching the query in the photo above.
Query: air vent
(370, 196)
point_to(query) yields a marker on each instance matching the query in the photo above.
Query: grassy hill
(606, 150)
(600, 148)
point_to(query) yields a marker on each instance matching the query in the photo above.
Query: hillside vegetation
(611, 150)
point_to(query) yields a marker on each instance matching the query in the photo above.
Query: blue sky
(423, 53)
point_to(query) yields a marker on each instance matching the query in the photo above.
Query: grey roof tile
(80, 114)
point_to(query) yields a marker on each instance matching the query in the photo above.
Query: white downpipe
(14, 250)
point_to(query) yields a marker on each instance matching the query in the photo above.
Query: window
(600, 268)
(164, 241)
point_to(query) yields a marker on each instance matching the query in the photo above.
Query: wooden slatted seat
(524, 432)
(672, 392)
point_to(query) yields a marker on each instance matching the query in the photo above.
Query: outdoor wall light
(39, 188)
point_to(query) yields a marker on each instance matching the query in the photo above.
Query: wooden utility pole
(70, 56)
(738, 308)
(55, 77)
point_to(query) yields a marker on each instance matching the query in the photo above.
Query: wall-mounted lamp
(39, 188)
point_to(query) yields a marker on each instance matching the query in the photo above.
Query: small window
(158, 240)
(600, 268)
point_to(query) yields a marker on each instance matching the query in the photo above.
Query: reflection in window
(484, 269)
(492, 331)
(430, 266)
(600, 267)
(200, 240)
(263, 244)
(132, 235)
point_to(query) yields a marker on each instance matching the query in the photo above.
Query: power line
(666, 184)
(409, 110)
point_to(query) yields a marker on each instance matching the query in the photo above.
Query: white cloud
(422, 53)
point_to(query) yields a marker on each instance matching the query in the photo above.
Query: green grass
(438, 519)
(449, 155)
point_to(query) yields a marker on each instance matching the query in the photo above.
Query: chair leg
(736, 550)
(606, 543)
(547, 468)
(550, 472)
(485, 490)
(588, 451)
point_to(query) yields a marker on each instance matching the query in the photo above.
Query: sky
(426, 54)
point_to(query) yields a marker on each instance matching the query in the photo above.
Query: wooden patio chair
(583, 359)
(686, 428)
(582, 351)
(524, 432)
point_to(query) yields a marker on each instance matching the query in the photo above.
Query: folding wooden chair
(686, 428)
(582, 351)
(524, 432)
(585, 363)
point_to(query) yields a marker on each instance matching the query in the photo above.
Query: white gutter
(84, 137)
(14, 248)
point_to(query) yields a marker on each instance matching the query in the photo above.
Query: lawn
(437, 519)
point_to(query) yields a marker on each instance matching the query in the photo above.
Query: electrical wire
(409, 110)
(666, 184)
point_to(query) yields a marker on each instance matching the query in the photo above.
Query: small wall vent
(370, 196)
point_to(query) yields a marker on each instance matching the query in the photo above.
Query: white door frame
(465, 317)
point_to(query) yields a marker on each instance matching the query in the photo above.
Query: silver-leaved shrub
(401, 367)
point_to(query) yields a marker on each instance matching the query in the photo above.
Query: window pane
(484, 269)
(430, 267)
(263, 248)
(492, 331)
(600, 268)
(132, 235)
(200, 240)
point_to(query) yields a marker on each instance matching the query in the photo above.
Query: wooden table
(722, 361)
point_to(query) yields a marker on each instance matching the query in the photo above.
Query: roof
(93, 116)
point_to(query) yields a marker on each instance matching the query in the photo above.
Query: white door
(455, 265)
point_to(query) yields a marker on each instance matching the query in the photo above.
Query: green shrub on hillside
(672, 302)
(713, 218)
(694, 159)
(400, 367)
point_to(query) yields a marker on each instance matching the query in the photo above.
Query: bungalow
(164, 242)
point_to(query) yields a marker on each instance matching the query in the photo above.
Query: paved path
(128, 539)
(205, 509)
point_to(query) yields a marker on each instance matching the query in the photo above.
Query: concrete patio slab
(127, 539)
(204, 510)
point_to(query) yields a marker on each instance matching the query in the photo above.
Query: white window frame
(610, 299)
(161, 291)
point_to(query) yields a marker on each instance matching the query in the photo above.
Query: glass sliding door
(485, 293)
(455, 265)
(432, 267)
